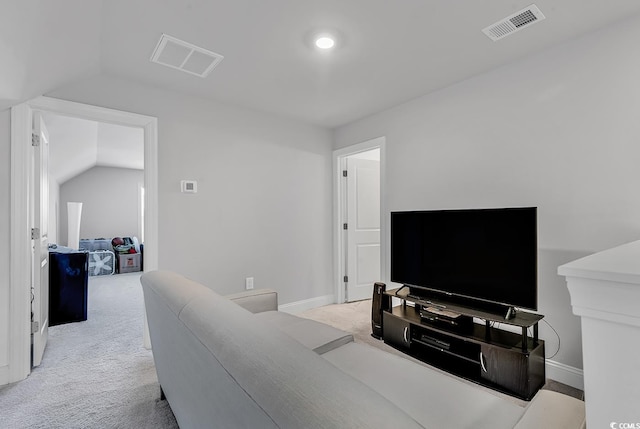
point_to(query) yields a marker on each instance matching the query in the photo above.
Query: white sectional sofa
(236, 362)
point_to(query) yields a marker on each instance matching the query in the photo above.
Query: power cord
(557, 335)
(529, 330)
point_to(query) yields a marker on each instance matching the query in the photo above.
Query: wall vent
(513, 23)
(180, 55)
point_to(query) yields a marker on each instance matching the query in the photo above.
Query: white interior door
(39, 224)
(363, 227)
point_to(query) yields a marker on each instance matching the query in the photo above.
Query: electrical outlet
(248, 283)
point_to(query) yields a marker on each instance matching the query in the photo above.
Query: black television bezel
(458, 298)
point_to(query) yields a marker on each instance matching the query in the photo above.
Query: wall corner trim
(306, 304)
(566, 374)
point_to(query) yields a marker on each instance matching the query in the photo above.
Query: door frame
(38, 218)
(339, 205)
(19, 342)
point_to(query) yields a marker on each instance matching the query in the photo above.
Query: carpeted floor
(97, 374)
(94, 374)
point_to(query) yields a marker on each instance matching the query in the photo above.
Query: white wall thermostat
(189, 186)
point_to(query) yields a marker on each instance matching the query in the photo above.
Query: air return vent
(177, 54)
(513, 23)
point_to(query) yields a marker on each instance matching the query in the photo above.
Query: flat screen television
(482, 255)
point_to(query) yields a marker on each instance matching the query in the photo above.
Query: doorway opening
(99, 167)
(360, 219)
(21, 171)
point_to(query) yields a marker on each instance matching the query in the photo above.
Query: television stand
(445, 335)
(439, 312)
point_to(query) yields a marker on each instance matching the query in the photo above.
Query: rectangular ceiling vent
(513, 23)
(180, 55)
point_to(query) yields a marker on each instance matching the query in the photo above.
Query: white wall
(559, 130)
(73, 146)
(5, 207)
(263, 206)
(54, 212)
(110, 202)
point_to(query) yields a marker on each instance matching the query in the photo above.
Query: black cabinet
(68, 279)
(513, 370)
(396, 331)
(506, 361)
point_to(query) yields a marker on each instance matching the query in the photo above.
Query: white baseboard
(4, 375)
(306, 304)
(566, 374)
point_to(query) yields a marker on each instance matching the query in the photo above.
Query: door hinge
(35, 327)
(346, 279)
(35, 139)
(344, 173)
(35, 233)
(345, 226)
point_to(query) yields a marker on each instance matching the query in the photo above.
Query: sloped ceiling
(45, 45)
(76, 145)
(389, 51)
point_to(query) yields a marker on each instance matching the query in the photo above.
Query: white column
(74, 214)
(605, 293)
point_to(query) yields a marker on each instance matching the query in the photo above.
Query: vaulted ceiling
(388, 51)
(76, 145)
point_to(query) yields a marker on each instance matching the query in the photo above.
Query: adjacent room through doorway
(86, 155)
(359, 220)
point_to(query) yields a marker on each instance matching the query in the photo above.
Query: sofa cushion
(292, 384)
(164, 284)
(257, 300)
(553, 410)
(431, 397)
(198, 388)
(314, 335)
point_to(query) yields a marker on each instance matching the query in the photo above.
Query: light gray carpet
(353, 317)
(94, 374)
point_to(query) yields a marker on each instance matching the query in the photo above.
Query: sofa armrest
(552, 409)
(256, 301)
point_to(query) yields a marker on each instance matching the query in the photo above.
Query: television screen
(484, 254)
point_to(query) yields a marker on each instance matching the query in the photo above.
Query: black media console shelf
(445, 335)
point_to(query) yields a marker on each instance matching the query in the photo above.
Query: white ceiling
(391, 51)
(76, 145)
(45, 45)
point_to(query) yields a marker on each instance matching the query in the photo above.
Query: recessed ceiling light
(325, 42)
